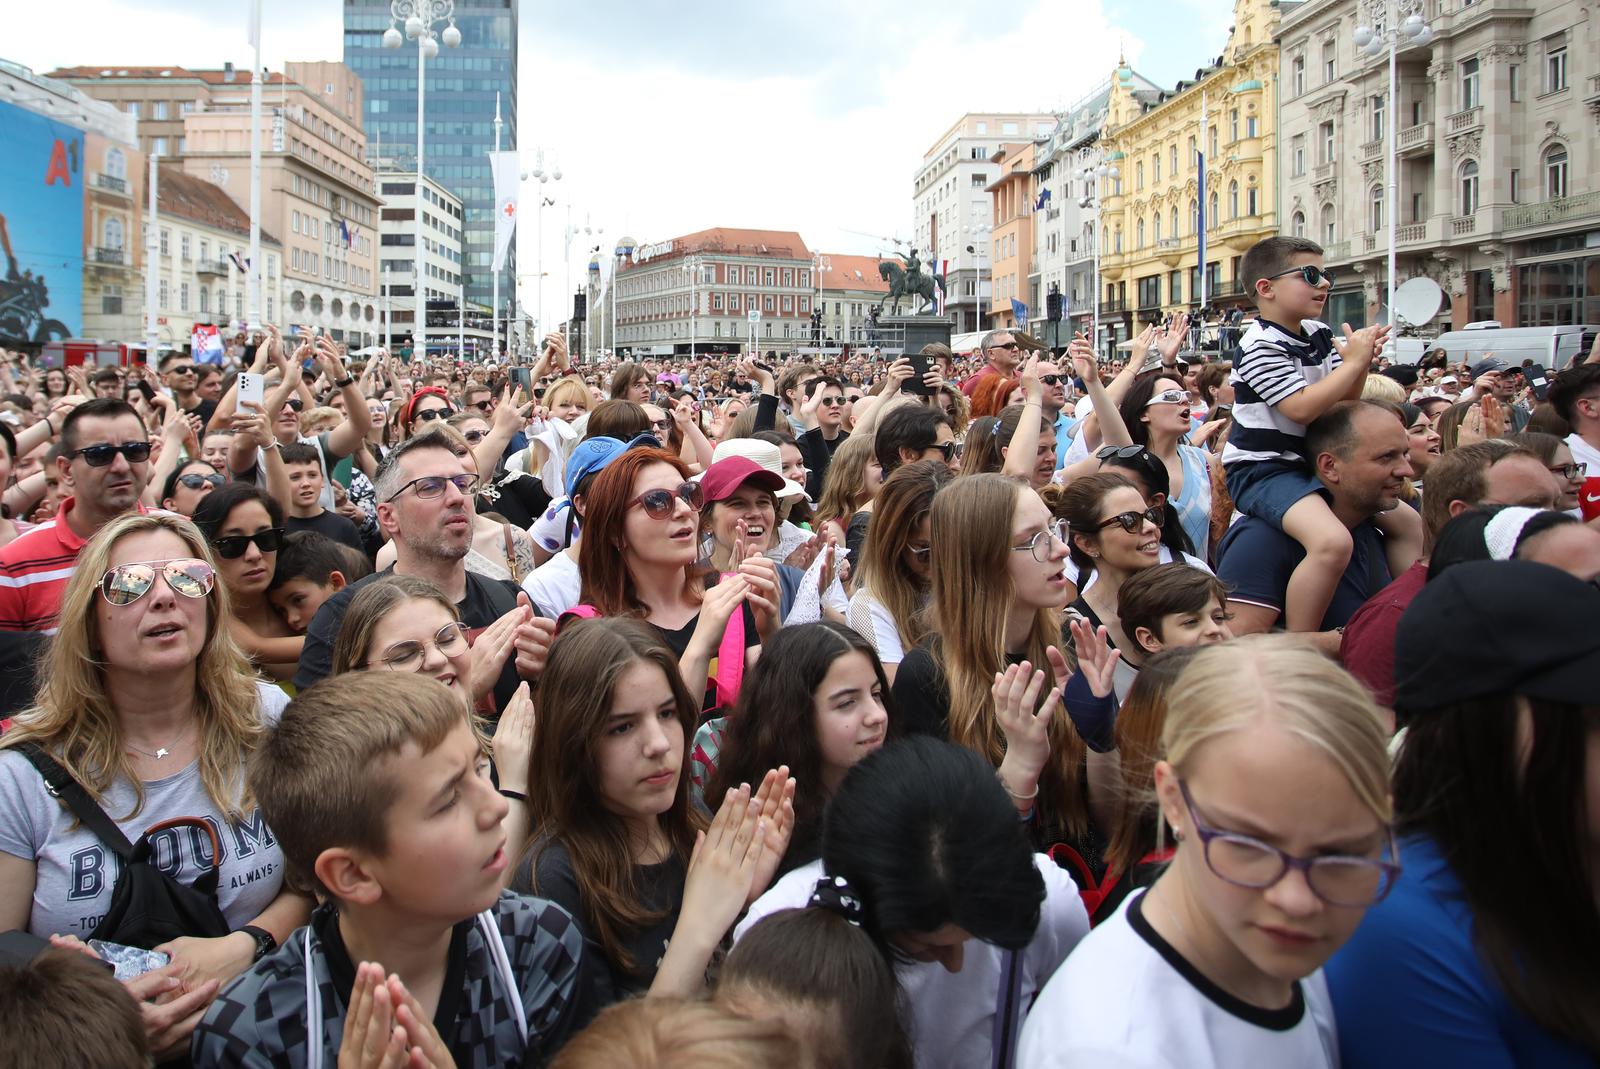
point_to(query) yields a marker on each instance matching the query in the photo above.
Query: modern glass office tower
(459, 112)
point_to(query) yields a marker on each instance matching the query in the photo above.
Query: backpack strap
(59, 782)
(1007, 1012)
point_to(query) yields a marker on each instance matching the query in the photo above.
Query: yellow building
(1149, 261)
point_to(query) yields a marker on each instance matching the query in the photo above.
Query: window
(766, 303)
(978, 181)
(158, 109)
(1250, 201)
(1297, 76)
(158, 146)
(1150, 292)
(1469, 83)
(205, 250)
(1469, 187)
(164, 300)
(113, 233)
(1233, 125)
(983, 127)
(238, 304)
(1555, 173)
(1194, 216)
(1250, 126)
(1297, 226)
(1155, 228)
(133, 108)
(1329, 229)
(1555, 63)
(1233, 200)
(1009, 129)
(1212, 151)
(1193, 150)
(1211, 216)
(183, 297)
(1155, 167)
(1330, 66)
(1514, 82)
(1138, 231)
(205, 301)
(183, 246)
(733, 274)
(1174, 217)
(1175, 287)
(1417, 211)
(1326, 132)
(1297, 156)
(1138, 175)
(1375, 218)
(1377, 117)
(1516, 185)
(1173, 161)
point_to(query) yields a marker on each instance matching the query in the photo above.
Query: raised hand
(1172, 340)
(512, 744)
(1097, 660)
(532, 641)
(372, 1040)
(774, 802)
(1027, 733)
(1032, 387)
(490, 650)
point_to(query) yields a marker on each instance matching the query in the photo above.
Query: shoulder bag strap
(59, 782)
(1007, 1011)
(511, 554)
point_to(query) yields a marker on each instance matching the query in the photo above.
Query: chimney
(227, 71)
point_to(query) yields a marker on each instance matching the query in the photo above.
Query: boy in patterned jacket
(377, 786)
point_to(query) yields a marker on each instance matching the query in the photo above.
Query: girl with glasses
(1274, 782)
(245, 528)
(641, 542)
(147, 703)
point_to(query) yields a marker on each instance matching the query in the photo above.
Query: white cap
(763, 453)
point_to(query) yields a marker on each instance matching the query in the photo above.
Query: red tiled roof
(778, 243)
(847, 272)
(195, 199)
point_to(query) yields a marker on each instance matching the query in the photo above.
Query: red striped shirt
(34, 569)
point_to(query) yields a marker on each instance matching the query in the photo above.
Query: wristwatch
(265, 943)
(346, 381)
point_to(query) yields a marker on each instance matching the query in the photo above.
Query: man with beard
(103, 466)
(424, 500)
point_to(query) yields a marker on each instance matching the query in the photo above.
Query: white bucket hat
(763, 453)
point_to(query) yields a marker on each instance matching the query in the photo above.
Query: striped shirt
(34, 569)
(1275, 364)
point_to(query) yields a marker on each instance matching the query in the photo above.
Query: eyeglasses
(947, 450)
(181, 369)
(832, 402)
(295, 403)
(481, 406)
(1571, 472)
(99, 456)
(661, 426)
(1013, 346)
(1050, 380)
(1132, 521)
(1041, 544)
(474, 437)
(232, 547)
(922, 553)
(1120, 452)
(660, 504)
(429, 487)
(127, 583)
(449, 640)
(1168, 397)
(1313, 275)
(1337, 879)
(427, 415)
(195, 482)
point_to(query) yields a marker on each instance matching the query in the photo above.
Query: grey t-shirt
(75, 872)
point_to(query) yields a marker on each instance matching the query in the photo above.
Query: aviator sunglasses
(127, 583)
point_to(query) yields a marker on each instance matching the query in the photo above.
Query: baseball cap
(1498, 627)
(763, 453)
(725, 476)
(593, 454)
(1487, 365)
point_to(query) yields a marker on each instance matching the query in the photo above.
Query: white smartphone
(251, 388)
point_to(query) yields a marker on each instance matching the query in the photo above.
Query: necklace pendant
(162, 753)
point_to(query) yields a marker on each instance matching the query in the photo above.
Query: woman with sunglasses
(641, 542)
(427, 406)
(147, 703)
(245, 528)
(1156, 413)
(188, 485)
(1149, 476)
(1275, 784)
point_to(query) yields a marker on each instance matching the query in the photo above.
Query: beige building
(202, 237)
(1497, 128)
(317, 189)
(851, 288)
(1011, 254)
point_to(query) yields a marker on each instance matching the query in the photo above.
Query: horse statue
(909, 281)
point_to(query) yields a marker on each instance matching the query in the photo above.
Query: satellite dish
(1418, 301)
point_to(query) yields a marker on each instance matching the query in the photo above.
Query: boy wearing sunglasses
(1291, 370)
(104, 466)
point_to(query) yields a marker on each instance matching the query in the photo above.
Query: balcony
(113, 257)
(1470, 119)
(1339, 250)
(110, 183)
(1372, 149)
(1415, 140)
(1322, 172)
(1562, 210)
(211, 267)
(1411, 233)
(1462, 225)
(1592, 97)
(1113, 307)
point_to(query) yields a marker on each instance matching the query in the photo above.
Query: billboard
(41, 228)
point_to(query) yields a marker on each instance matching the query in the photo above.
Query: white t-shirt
(952, 1014)
(555, 585)
(873, 622)
(1126, 999)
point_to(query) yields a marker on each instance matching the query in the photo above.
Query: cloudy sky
(669, 117)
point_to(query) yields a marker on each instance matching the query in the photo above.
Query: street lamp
(419, 17)
(980, 237)
(1090, 201)
(820, 264)
(543, 174)
(691, 269)
(1383, 27)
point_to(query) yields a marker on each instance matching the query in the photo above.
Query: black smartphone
(522, 378)
(764, 367)
(919, 368)
(145, 388)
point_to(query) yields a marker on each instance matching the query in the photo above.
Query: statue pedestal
(914, 332)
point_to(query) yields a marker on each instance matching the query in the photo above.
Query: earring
(1177, 833)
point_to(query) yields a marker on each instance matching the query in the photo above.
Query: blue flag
(1044, 198)
(1019, 312)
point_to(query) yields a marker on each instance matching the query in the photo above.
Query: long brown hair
(76, 719)
(972, 594)
(602, 552)
(586, 663)
(906, 498)
(1140, 719)
(847, 477)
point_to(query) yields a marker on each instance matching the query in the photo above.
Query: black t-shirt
(486, 601)
(678, 641)
(204, 409)
(855, 536)
(818, 451)
(331, 524)
(659, 889)
(519, 497)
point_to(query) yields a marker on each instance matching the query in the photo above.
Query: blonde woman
(149, 705)
(1275, 783)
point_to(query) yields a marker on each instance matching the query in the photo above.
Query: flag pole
(1201, 221)
(254, 281)
(494, 317)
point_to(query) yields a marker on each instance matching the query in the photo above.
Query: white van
(1552, 347)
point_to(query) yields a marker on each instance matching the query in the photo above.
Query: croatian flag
(205, 344)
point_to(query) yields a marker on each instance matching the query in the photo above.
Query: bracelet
(348, 380)
(1014, 794)
(518, 796)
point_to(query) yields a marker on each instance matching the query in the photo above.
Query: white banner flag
(506, 179)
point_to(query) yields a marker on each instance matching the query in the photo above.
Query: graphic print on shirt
(176, 851)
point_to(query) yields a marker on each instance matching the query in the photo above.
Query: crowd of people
(1015, 709)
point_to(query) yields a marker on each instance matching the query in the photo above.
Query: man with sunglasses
(1002, 351)
(104, 466)
(823, 416)
(182, 380)
(424, 495)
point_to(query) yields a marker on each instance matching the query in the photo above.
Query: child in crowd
(671, 1033)
(303, 467)
(393, 818)
(63, 1009)
(1171, 606)
(1291, 371)
(311, 569)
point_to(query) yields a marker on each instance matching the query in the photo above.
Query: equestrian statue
(909, 281)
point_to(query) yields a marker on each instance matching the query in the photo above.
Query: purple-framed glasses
(1337, 879)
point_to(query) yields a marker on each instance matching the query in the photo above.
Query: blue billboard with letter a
(41, 228)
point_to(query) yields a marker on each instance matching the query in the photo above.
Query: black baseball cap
(1498, 627)
(1486, 365)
